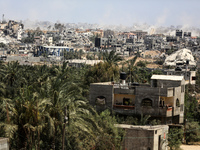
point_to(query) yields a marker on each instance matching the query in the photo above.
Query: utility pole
(65, 120)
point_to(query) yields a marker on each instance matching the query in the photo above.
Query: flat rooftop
(56, 47)
(167, 77)
(126, 126)
(102, 83)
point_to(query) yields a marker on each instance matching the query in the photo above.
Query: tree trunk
(54, 138)
(63, 136)
(38, 139)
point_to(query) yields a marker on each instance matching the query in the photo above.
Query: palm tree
(111, 58)
(50, 105)
(108, 136)
(26, 116)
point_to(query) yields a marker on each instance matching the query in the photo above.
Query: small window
(100, 100)
(147, 102)
(177, 103)
(154, 83)
(193, 78)
(126, 101)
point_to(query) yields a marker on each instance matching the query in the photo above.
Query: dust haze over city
(92, 75)
(119, 15)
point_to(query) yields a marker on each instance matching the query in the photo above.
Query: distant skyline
(108, 12)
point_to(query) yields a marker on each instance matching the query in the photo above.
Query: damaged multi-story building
(181, 63)
(12, 28)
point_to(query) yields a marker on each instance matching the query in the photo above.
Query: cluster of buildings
(162, 99)
(10, 31)
(54, 43)
(130, 43)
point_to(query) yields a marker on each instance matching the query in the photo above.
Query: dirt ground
(190, 147)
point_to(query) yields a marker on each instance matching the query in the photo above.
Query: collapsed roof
(182, 56)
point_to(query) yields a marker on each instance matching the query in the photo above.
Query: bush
(142, 63)
(175, 136)
(192, 132)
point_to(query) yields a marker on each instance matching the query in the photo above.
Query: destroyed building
(182, 63)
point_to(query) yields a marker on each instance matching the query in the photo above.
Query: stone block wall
(104, 90)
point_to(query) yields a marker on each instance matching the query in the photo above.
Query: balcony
(165, 111)
(123, 106)
(158, 112)
(124, 109)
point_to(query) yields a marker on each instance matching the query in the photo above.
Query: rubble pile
(181, 56)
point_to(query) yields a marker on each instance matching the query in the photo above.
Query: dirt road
(190, 147)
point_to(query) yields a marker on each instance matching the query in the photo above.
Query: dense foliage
(175, 136)
(47, 108)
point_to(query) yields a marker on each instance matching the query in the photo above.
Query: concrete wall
(105, 90)
(14, 58)
(186, 74)
(22, 58)
(138, 139)
(34, 59)
(145, 137)
(4, 144)
(168, 83)
(192, 74)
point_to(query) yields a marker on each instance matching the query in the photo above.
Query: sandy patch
(190, 147)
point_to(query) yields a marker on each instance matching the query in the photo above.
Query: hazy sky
(114, 12)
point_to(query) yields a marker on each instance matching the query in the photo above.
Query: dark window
(193, 78)
(154, 83)
(126, 101)
(177, 103)
(100, 100)
(146, 102)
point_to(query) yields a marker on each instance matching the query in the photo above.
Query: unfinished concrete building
(144, 137)
(163, 99)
